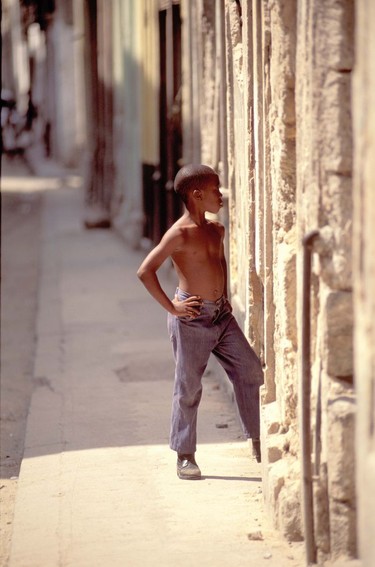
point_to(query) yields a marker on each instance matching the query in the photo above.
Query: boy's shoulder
(177, 232)
(183, 226)
(217, 225)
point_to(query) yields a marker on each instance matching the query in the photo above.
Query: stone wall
(287, 70)
(279, 426)
(364, 273)
(324, 201)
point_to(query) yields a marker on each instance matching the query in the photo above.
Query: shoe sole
(189, 477)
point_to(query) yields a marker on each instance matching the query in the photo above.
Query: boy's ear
(197, 194)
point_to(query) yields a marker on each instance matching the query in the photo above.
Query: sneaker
(187, 468)
(256, 450)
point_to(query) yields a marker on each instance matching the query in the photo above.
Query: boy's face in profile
(211, 196)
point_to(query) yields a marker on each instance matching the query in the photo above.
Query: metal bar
(223, 129)
(170, 100)
(305, 394)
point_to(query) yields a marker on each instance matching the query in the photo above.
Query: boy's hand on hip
(190, 307)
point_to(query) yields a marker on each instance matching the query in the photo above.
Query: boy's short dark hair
(190, 177)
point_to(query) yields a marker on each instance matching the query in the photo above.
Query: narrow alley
(102, 106)
(97, 485)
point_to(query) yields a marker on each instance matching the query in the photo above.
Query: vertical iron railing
(170, 99)
(305, 401)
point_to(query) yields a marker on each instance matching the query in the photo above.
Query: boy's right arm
(147, 274)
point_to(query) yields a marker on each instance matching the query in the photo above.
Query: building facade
(42, 64)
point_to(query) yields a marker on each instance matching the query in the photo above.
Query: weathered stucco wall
(364, 273)
(280, 432)
(246, 296)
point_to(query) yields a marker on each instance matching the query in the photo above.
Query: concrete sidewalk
(98, 486)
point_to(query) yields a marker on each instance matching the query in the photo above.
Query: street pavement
(98, 484)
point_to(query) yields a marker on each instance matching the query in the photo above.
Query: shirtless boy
(200, 319)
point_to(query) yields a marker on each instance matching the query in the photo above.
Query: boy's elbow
(140, 274)
(143, 274)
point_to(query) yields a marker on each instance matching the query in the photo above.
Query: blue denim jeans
(214, 331)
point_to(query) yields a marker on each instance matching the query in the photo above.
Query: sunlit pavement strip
(98, 484)
(126, 506)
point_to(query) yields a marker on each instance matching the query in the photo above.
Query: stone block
(285, 290)
(341, 448)
(342, 530)
(274, 453)
(290, 522)
(338, 333)
(294, 440)
(284, 498)
(341, 412)
(321, 513)
(334, 263)
(276, 445)
(271, 418)
(277, 473)
(336, 113)
(335, 45)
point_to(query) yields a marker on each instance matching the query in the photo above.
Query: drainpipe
(170, 101)
(304, 401)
